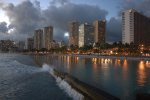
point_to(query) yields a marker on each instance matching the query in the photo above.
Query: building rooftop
(87, 24)
(138, 12)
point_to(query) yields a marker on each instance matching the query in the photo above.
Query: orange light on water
(141, 74)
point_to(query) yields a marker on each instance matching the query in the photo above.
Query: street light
(141, 55)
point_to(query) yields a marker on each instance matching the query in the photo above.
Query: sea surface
(22, 79)
(121, 78)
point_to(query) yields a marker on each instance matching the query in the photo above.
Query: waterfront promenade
(145, 58)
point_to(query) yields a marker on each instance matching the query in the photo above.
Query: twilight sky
(19, 18)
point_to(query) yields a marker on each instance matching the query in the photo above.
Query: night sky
(19, 18)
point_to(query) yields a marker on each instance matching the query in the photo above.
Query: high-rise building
(20, 45)
(38, 39)
(5, 45)
(135, 28)
(61, 43)
(100, 31)
(86, 34)
(47, 37)
(74, 33)
(54, 44)
(30, 43)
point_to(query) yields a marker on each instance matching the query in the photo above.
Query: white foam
(70, 91)
(16, 68)
(45, 67)
(63, 84)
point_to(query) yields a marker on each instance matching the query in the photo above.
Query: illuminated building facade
(100, 31)
(54, 44)
(5, 45)
(74, 33)
(47, 37)
(30, 43)
(135, 28)
(61, 43)
(86, 34)
(38, 39)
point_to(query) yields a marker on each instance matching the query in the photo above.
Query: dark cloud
(83, 13)
(60, 36)
(114, 29)
(143, 5)
(114, 26)
(26, 17)
(3, 27)
(59, 1)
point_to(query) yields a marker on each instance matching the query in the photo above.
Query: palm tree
(120, 43)
(71, 47)
(43, 49)
(97, 44)
(114, 44)
(127, 45)
(51, 50)
(120, 50)
(32, 50)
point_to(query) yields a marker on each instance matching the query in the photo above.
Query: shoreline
(105, 57)
(138, 58)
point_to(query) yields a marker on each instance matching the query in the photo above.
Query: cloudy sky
(19, 18)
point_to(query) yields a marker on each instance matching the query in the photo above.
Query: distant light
(141, 52)
(66, 34)
(10, 30)
(142, 45)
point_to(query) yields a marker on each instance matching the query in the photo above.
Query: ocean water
(121, 78)
(22, 79)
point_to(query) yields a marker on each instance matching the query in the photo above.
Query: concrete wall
(143, 96)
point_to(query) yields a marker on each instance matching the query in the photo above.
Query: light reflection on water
(122, 78)
(141, 80)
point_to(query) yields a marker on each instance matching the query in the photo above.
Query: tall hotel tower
(100, 31)
(47, 37)
(86, 34)
(38, 38)
(30, 43)
(74, 33)
(135, 28)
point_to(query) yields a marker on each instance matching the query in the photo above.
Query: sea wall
(89, 92)
(143, 96)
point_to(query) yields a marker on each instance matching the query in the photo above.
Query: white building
(127, 26)
(61, 43)
(86, 34)
(135, 27)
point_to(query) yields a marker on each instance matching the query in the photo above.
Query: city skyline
(17, 30)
